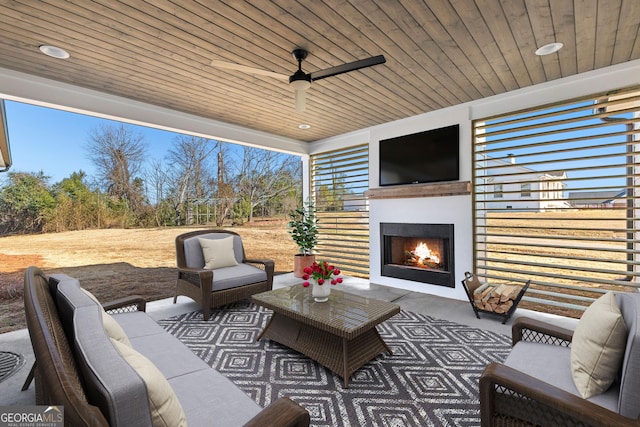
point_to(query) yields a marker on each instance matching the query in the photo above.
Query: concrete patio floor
(443, 308)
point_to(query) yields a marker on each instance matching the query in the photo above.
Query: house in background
(541, 191)
(598, 199)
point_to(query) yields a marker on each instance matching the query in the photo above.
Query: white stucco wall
(454, 210)
(434, 210)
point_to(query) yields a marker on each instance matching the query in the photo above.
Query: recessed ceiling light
(548, 49)
(304, 126)
(53, 51)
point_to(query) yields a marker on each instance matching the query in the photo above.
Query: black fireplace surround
(442, 274)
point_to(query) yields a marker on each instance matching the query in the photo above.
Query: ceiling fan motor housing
(300, 80)
(300, 76)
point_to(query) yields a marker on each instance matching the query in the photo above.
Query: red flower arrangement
(321, 272)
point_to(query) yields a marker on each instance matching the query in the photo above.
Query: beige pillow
(111, 327)
(218, 253)
(598, 346)
(166, 410)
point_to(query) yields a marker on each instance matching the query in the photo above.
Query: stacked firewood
(496, 298)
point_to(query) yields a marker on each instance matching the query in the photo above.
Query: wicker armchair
(217, 287)
(511, 397)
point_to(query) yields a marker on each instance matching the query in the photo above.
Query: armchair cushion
(193, 255)
(536, 386)
(242, 274)
(218, 253)
(552, 364)
(598, 346)
(629, 304)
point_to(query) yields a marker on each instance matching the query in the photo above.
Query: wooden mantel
(439, 189)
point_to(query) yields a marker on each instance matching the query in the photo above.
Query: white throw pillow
(218, 253)
(110, 325)
(598, 346)
(166, 410)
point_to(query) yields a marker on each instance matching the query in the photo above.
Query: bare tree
(191, 173)
(225, 193)
(158, 185)
(265, 175)
(118, 154)
(156, 180)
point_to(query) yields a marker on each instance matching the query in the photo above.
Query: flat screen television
(429, 156)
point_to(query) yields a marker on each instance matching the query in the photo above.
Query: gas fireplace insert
(418, 252)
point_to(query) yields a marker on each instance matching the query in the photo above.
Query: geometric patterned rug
(430, 380)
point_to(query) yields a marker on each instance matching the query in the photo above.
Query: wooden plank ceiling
(439, 52)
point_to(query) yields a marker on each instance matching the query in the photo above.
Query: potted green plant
(304, 231)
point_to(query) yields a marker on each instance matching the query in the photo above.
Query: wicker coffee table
(339, 334)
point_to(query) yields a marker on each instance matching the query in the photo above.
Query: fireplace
(418, 252)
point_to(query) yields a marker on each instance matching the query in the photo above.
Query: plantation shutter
(338, 181)
(556, 199)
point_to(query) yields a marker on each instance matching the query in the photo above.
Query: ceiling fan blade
(246, 69)
(345, 68)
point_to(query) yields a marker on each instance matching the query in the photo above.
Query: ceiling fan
(301, 81)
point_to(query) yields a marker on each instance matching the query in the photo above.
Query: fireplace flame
(423, 253)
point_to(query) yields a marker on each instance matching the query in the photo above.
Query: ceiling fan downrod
(300, 55)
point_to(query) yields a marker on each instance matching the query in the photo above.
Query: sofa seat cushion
(552, 364)
(137, 324)
(239, 275)
(166, 410)
(209, 398)
(170, 356)
(204, 393)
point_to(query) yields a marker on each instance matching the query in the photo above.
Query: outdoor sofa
(84, 364)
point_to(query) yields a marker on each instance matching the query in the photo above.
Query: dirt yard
(117, 262)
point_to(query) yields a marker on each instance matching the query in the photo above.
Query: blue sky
(54, 141)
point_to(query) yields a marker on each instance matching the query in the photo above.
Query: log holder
(471, 283)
